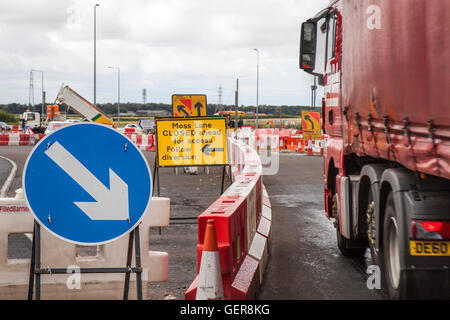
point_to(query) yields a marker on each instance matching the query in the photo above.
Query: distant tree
(7, 117)
(111, 108)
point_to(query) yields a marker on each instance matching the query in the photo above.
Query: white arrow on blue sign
(87, 184)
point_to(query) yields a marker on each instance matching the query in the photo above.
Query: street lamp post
(42, 87)
(95, 53)
(313, 95)
(118, 94)
(257, 86)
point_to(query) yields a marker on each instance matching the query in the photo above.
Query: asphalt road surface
(305, 262)
(5, 169)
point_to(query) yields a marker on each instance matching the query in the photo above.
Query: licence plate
(429, 248)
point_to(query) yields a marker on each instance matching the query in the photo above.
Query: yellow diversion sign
(191, 141)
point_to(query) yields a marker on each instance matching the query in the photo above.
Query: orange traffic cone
(321, 147)
(210, 285)
(309, 148)
(301, 146)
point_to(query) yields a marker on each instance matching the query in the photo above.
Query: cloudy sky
(165, 46)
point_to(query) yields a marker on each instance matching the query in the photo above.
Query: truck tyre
(377, 256)
(395, 280)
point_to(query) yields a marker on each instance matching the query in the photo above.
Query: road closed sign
(193, 105)
(191, 141)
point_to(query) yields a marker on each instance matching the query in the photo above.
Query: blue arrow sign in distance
(87, 184)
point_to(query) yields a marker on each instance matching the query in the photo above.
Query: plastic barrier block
(160, 266)
(260, 251)
(267, 202)
(246, 283)
(230, 215)
(24, 140)
(4, 139)
(138, 139)
(267, 213)
(264, 227)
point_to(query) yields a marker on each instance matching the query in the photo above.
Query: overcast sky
(166, 46)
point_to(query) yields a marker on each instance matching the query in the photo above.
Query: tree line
(111, 108)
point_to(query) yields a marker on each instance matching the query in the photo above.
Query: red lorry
(385, 68)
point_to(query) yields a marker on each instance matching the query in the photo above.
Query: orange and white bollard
(210, 285)
(301, 146)
(321, 148)
(309, 148)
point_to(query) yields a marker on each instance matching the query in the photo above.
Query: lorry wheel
(377, 258)
(395, 281)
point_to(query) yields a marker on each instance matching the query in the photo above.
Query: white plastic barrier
(55, 253)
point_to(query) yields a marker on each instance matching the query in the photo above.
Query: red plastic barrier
(4, 139)
(230, 216)
(285, 133)
(130, 130)
(24, 140)
(236, 218)
(245, 285)
(138, 139)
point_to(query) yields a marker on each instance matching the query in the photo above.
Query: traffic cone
(301, 146)
(309, 148)
(210, 285)
(321, 147)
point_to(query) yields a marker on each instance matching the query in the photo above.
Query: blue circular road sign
(87, 184)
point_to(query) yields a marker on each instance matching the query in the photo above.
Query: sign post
(99, 188)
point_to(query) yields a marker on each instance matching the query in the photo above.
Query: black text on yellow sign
(193, 105)
(312, 135)
(191, 142)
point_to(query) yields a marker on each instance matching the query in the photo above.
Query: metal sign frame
(34, 282)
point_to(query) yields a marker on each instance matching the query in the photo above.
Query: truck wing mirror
(308, 46)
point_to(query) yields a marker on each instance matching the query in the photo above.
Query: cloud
(166, 46)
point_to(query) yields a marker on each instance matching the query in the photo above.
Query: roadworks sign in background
(191, 141)
(193, 105)
(311, 126)
(311, 121)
